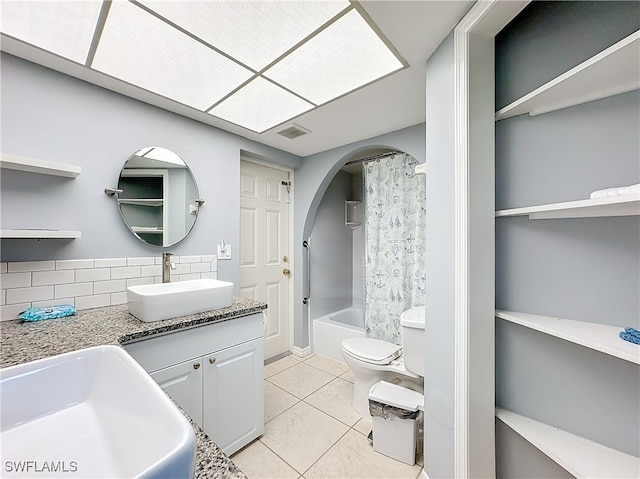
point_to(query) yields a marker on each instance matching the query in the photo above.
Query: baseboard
(301, 352)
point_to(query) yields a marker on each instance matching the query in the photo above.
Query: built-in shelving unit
(39, 234)
(613, 71)
(601, 337)
(31, 165)
(628, 205)
(155, 230)
(579, 456)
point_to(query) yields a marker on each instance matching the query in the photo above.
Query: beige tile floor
(311, 430)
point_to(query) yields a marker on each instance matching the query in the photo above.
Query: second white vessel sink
(90, 413)
(155, 302)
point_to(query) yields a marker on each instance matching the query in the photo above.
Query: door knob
(286, 271)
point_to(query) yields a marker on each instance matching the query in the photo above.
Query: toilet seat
(372, 351)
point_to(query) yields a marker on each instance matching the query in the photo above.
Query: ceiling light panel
(260, 105)
(64, 28)
(341, 58)
(143, 50)
(255, 33)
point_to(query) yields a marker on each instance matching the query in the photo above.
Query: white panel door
(264, 249)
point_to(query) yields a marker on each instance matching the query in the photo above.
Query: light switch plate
(224, 252)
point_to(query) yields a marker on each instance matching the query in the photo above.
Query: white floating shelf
(611, 72)
(141, 201)
(579, 456)
(147, 230)
(39, 234)
(601, 337)
(30, 165)
(628, 205)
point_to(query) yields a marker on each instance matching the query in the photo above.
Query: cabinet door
(183, 382)
(233, 404)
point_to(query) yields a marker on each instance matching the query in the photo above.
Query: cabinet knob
(196, 365)
(212, 360)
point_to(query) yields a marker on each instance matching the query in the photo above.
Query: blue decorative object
(38, 314)
(631, 334)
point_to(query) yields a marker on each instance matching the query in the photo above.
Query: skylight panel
(61, 27)
(255, 32)
(345, 56)
(140, 49)
(260, 105)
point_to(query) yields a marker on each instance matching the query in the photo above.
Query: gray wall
(50, 116)
(331, 261)
(440, 265)
(311, 182)
(585, 269)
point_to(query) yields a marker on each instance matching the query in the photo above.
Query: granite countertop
(27, 341)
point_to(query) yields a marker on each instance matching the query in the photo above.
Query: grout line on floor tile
(280, 457)
(325, 452)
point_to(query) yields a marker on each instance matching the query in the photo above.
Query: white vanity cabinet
(215, 374)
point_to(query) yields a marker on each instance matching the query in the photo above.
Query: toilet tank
(412, 337)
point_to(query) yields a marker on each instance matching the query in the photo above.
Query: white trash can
(394, 410)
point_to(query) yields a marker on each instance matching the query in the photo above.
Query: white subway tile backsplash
(26, 295)
(110, 262)
(89, 283)
(74, 264)
(113, 286)
(118, 298)
(97, 274)
(125, 272)
(53, 302)
(182, 268)
(15, 280)
(11, 311)
(153, 270)
(31, 266)
(95, 301)
(140, 261)
(140, 281)
(45, 278)
(74, 290)
(200, 267)
(190, 259)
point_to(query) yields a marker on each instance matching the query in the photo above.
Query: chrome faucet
(167, 266)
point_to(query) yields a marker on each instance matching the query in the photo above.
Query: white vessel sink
(91, 413)
(154, 302)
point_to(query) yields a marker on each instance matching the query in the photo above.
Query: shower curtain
(395, 215)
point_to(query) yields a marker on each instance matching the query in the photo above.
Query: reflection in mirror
(158, 197)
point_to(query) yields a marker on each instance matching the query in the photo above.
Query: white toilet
(373, 360)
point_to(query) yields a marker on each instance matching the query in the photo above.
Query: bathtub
(330, 330)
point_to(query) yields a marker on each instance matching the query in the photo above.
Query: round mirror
(158, 196)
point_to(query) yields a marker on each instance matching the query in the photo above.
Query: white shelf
(610, 72)
(420, 169)
(141, 201)
(628, 205)
(601, 337)
(579, 456)
(39, 234)
(20, 163)
(147, 229)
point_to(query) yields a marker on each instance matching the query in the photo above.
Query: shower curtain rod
(373, 157)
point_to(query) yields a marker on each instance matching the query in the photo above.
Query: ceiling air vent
(292, 131)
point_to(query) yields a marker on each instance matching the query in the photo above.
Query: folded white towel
(617, 191)
(630, 190)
